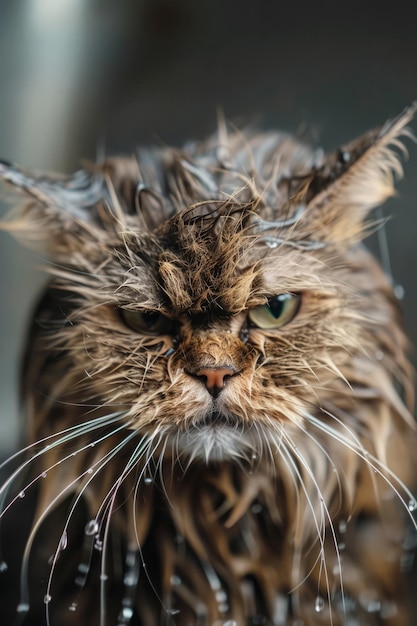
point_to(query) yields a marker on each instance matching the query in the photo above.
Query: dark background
(76, 74)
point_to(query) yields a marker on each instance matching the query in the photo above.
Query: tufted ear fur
(54, 212)
(340, 194)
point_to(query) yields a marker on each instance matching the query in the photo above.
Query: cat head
(219, 296)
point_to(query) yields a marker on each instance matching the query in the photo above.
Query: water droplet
(91, 528)
(256, 508)
(379, 355)
(223, 607)
(131, 558)
(221, 596)
(412, 505)
(3, 567)
(127, 614)
(103, 577)
(47, 598)
(341, 546)
(44, 475)
(369, 601)
(64, 541)
(254, 456)
(173, 611)
(271, 243)
(22, 494)
(342, 526)
(98, 545)
(399, 292)
(90, 470)
(175, 581)
(23, 607)
(73, 607)
(319, 604)
(130, 579)
(148, 480)
(83, 568)
(373, 607)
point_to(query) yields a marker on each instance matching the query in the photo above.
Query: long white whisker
(87, 473)
(373, 462)
(320, 527)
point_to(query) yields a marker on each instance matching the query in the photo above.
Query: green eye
(277, 312)
(147, 322)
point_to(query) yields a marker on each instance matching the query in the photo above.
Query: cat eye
(147, 322)
(278, 311)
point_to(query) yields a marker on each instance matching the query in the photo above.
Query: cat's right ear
(51, 209)
(340, 194)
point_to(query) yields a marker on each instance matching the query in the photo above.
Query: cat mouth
(217, 419)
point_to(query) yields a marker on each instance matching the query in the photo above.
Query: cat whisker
(89, 474)
(61, 438)
(319, 524)
(374, 464)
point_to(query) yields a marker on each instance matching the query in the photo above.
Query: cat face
(223, 346)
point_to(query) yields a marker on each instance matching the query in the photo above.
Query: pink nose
(214, 378)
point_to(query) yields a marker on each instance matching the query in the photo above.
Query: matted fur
(284, 498)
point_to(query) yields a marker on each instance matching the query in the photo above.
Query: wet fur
(284, 500)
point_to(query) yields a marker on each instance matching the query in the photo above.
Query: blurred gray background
(77, 73)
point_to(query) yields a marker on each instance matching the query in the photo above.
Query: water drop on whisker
(319, 604)
(173, 611)
(342, 526)
(91, 528)
(64, 541)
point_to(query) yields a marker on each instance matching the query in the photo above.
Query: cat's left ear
(340, 194)
(53, 209)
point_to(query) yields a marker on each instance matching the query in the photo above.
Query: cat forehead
(223, 268)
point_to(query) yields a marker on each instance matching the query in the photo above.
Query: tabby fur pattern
(203, 470)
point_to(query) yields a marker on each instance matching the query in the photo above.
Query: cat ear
(340, 194)
(52, 207)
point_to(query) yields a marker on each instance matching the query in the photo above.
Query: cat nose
(215, 378)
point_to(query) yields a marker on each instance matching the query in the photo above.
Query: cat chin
(215, 442)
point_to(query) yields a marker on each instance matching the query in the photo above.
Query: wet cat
(218, 397)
